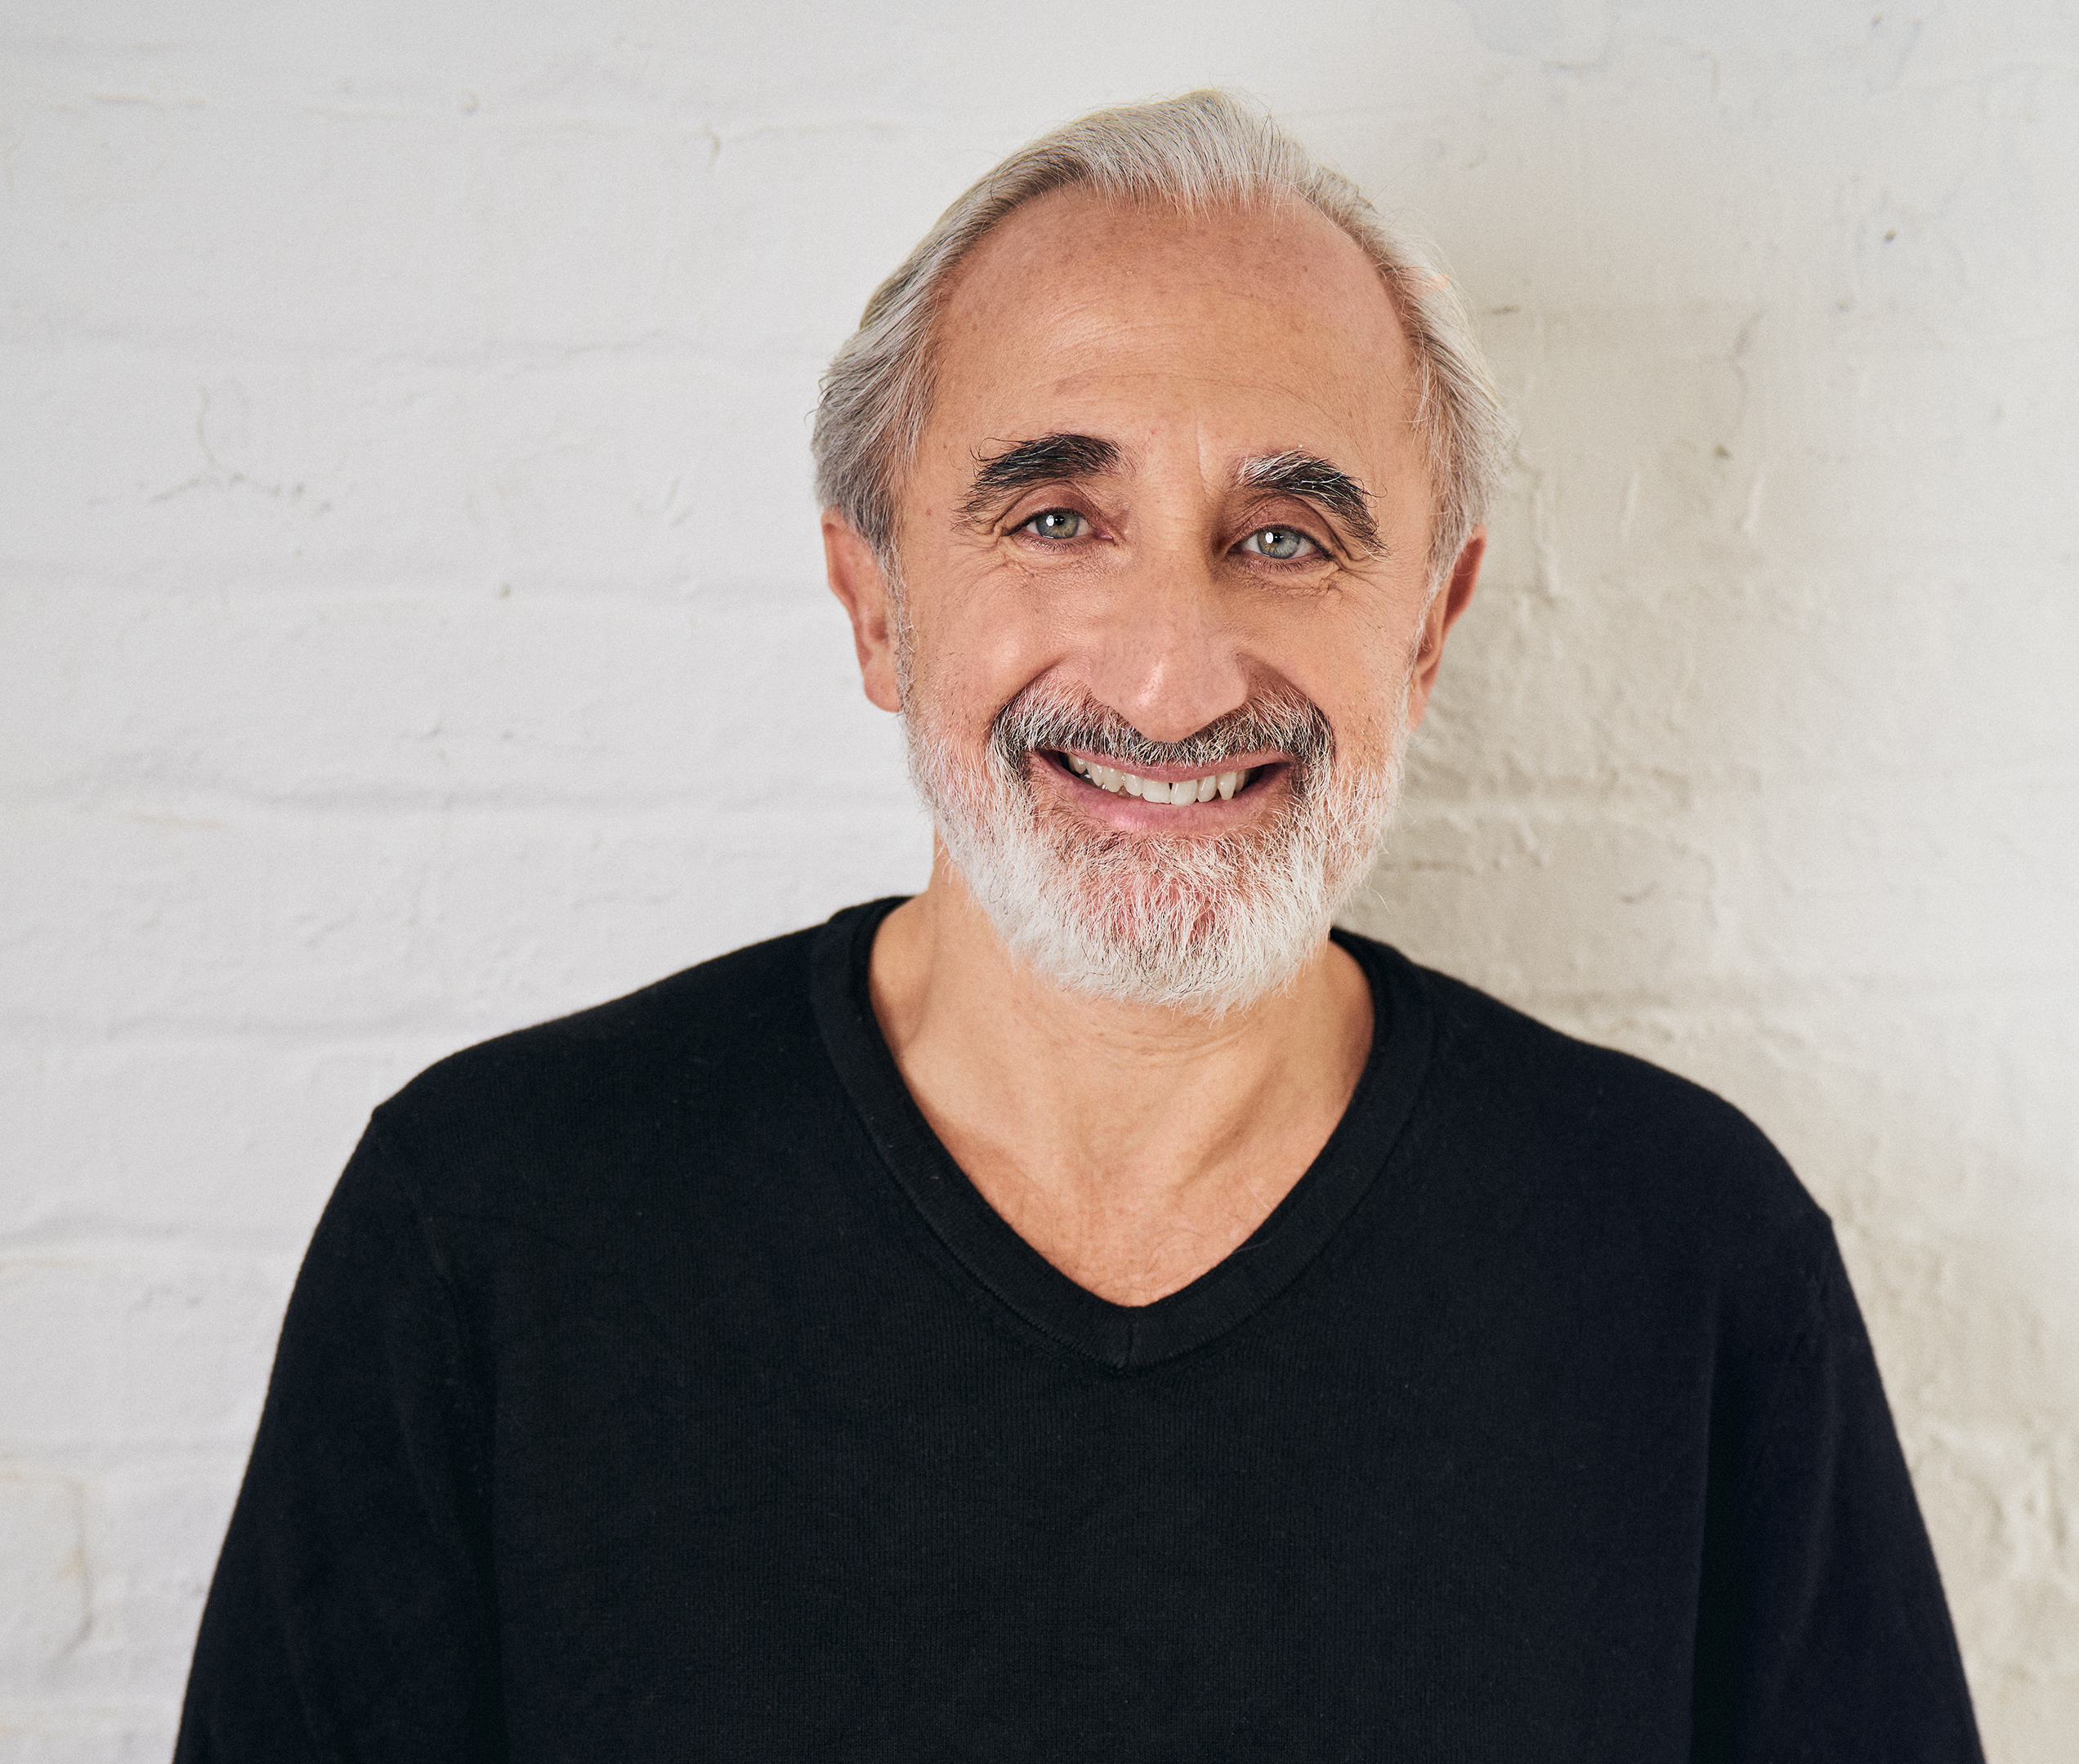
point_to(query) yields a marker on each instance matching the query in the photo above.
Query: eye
(1281, 545)
(1056, 523)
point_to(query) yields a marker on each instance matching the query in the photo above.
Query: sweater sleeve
(1822, 1634)
(351, 1614)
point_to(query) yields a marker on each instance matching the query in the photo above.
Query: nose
(1164, 654)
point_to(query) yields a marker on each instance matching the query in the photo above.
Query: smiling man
(1091, 1309)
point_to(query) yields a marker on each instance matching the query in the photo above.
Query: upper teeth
(1222, 784)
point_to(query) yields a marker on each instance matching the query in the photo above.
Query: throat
(1134, 1153)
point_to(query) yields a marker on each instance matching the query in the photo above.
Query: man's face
(1168, 525)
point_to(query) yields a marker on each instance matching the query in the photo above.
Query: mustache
(1048, 716)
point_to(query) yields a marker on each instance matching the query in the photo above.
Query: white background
(411, 626)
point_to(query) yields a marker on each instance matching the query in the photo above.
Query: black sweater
(657, 1387)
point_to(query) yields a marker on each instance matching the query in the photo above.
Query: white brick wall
(410, 627)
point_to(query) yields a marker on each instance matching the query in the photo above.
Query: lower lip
(1129, 811)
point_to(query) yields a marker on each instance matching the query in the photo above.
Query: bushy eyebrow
(1045, 459)
(1313, 479)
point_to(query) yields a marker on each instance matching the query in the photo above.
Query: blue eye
(1057, 524)
(1279, 544)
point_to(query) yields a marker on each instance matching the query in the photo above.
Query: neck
(1133, 1146)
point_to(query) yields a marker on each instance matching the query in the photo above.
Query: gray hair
(1193, 152)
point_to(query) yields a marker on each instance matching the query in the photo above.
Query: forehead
(1256, 328)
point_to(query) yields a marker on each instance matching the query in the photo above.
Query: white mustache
(1042, 718)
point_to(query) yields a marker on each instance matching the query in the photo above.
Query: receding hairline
(1272, 206)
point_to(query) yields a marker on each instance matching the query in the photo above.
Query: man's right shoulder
(683, 1057)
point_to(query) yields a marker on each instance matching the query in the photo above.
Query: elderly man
(1092, 1309)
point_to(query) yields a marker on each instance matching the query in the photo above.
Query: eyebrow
(1046, 459)
(1313, 479)
(1061, 457)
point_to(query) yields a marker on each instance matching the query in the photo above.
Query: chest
(817, 1530)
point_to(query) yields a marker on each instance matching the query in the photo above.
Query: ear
(1445, 606)
(856, 580)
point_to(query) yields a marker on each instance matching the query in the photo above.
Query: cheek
(1348, 654)
(1359, 689)
(982, 643)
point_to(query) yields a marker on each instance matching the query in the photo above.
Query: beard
(1205, 923)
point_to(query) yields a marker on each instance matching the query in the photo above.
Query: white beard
(1204, 923)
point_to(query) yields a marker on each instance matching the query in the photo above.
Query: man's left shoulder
(1612, 1138)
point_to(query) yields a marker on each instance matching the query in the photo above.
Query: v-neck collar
(1125, 1337)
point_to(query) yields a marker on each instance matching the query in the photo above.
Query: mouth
(1182, 792)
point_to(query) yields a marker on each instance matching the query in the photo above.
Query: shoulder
(1574, 1092)
(565, 1102)
(708, 1009)
(713, 1012)
(1610, 1142)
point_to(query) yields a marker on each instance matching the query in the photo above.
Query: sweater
(657, 1387)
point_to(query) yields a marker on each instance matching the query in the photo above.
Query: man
(1088, 1310)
